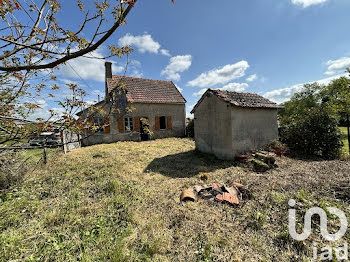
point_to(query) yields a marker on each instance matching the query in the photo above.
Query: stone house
(227, 124)
(142, 105)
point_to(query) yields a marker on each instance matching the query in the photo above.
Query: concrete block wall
(226, 131)
(252, 128)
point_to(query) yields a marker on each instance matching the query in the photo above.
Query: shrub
(315, 133)
(190, 128)
(278, 148)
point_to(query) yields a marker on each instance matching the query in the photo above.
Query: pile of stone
(261, 162)
(231, 194)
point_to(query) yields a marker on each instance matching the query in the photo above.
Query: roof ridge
(240, 99)
(142, 78)
(249, 93)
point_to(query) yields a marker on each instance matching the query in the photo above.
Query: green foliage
(314, 134)
(336, 96)
(190, 128)
(204, 252)
(307, 98)
(344, 137)
(309, 120)
(259, 219)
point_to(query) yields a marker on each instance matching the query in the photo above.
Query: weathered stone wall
(227, 131)
(151, 111)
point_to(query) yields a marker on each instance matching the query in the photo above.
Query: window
(162, 123)
(128, 124)
(98, 122)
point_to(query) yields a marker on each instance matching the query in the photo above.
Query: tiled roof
(239, 99)
(141, 90)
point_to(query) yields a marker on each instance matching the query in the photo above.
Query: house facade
(137, 109)
(227, 123)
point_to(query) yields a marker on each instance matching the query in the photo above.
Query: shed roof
(250, 100)
(141, 90)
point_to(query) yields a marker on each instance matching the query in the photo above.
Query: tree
(336, 96)
(309, 123)
(308, 97)
(45, 43)
(35, 40)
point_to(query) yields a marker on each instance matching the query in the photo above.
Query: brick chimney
(108, 74)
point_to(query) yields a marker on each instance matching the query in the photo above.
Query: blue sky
(269, 47)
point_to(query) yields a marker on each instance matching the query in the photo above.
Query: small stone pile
(261, 162)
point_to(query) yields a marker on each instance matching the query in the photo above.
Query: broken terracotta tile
(227, 197)
(216, 187)
(219, 197)
(188, 194)
(238, 186)
(199, 188)
(231, 198)
(232, 190)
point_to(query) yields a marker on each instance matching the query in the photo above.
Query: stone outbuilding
(227, 124)
(137, 109)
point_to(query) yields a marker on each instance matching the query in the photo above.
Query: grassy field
(120, 202)
(345, 139)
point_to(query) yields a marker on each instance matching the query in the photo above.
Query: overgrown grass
(120, 202)
(345, 139)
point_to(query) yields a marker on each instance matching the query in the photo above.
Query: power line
(91, 89)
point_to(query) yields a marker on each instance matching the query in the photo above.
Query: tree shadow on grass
(186, 164)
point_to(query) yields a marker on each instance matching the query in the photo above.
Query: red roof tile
(240, 99)
(141, 90)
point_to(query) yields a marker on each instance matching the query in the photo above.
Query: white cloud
(233, 87)
(165, 52)
(41, 112)
(200, 92)
(283, 94)
(177, 64)
(335, 66)
(236, 87)
(136, 73)
(134, 69)
(88, 68)
(144, 43)
(306, 3)
(221, 75)
(252, 78)
(189, 109)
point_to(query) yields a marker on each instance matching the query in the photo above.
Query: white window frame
(128, 124)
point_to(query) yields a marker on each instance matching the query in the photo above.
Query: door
(144, 126)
